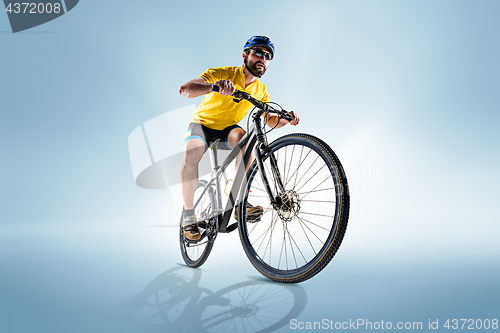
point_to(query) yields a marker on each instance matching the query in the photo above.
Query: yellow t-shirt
(217, 111)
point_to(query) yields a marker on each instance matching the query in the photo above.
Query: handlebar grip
(288, 116)
(215, 88)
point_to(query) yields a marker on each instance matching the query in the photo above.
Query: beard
(254, 70)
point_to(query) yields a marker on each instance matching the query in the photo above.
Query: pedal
(253, 219)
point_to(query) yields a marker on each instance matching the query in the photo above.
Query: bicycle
(305, 201)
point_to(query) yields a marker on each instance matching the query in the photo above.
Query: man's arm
(272, 119)
(195, 88)
(200, 86)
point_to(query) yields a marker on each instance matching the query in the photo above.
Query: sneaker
(190, 228)
(253, 212)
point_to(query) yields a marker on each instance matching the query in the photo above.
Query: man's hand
(274, 121)
(295, 120)
(226, 87)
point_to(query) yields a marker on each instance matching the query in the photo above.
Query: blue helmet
(261, 41)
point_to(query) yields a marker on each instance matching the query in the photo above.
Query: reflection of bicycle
(175, 300)
(301, 185)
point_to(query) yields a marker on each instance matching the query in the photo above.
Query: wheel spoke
(305, 173)
(269, 243)
(284, 163)
(290, 241)
(323, 201)
(297, 246)
(270, 240)
(290, 164)
(323, 189)
(317, 214)
(300, 219)
(284, 240)
(281, 252)
(305, 220)
(263, 236)
(313, 177)
(296, 172)
(307, 193)
(305, 233)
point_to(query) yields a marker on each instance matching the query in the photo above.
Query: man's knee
(235, 136)
(193, 154)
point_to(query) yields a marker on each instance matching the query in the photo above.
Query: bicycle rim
(195, 254)
(295, 239)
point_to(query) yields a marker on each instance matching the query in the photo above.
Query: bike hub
(287, 205)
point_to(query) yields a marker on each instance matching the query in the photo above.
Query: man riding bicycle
(218, 115)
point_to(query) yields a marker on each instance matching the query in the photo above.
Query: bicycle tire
(319, 234)
(195, 254)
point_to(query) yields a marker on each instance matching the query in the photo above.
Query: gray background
(405, 92)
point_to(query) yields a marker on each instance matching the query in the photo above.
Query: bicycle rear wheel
(299, 234)
(195, 254)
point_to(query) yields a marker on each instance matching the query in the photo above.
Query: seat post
(215, 166)
(213, 154)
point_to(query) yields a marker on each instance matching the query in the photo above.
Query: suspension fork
(276, 172)
(263, 174)
(274, 164)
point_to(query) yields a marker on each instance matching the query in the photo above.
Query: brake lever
(238, 95)
(241, 94)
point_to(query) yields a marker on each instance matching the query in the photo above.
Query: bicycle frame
(247, 145)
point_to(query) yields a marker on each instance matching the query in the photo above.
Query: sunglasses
(259, 53)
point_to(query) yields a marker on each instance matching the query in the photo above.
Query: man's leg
(193, 152)
(232, 140)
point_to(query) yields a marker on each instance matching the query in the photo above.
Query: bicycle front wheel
(300, 232)
(196, 253)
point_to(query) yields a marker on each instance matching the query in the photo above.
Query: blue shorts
(208, 135)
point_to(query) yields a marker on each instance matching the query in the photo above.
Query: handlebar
(239, 95)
